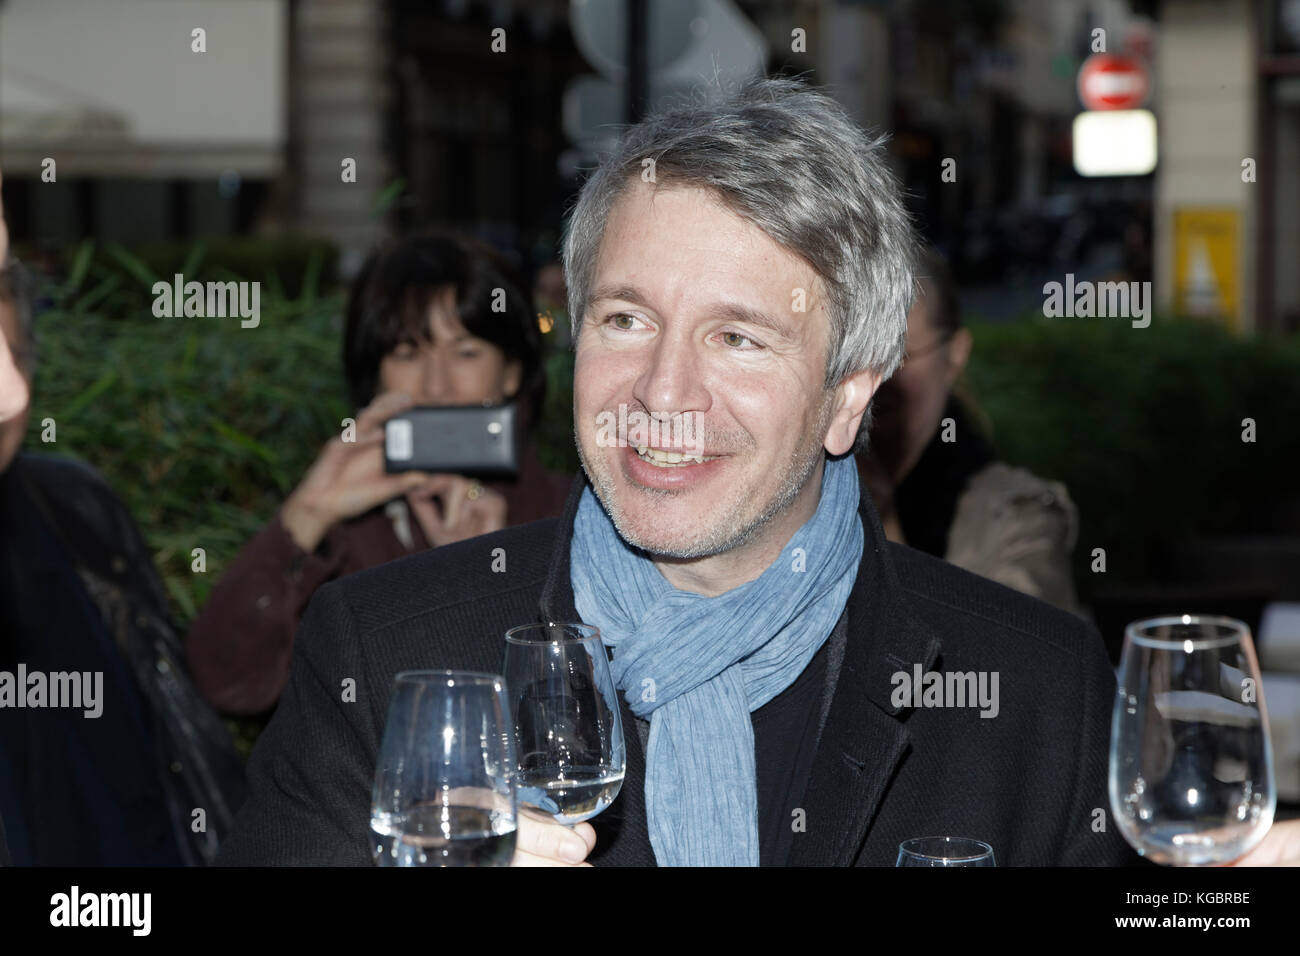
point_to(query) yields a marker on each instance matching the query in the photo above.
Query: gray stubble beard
(727, 538)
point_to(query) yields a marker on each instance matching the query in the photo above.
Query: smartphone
(480, 441)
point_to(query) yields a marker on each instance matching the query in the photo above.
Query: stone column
(338, 103)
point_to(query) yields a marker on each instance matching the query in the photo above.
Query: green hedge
(1145, 428)
(200, 425)
(285, 266)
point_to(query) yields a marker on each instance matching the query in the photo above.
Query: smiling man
(692, 316)
(747, 264)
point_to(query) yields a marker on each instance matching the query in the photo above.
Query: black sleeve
(311, 772)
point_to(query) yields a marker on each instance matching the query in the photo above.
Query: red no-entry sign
(1111, 82)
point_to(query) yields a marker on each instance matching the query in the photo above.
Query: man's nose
(673, 380)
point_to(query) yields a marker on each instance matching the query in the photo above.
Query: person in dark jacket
(108, 756)
(425, 326)
(770, 645)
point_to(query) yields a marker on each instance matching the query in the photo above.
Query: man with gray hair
(793, 686)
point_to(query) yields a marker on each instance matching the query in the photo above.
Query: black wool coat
(1030, 781)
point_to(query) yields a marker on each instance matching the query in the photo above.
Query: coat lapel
(864, 738)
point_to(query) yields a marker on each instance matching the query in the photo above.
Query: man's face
(12, 429)
(693, 311)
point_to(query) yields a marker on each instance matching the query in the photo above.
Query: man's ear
(852, 396)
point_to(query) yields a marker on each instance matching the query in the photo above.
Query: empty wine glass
(444, 790)
(1191, 765)
(944, 851)
(566, 719)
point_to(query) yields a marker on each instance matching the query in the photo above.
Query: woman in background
(421, 330)
(938, 487)
(13, 387)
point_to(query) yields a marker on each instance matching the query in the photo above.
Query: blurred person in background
(549, 291)
(953, 499)
(420, 331)
(13, 386)
(80, 596)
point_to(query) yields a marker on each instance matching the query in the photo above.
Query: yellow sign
(1207, 263)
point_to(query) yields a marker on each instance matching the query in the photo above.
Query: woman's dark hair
(388, 306)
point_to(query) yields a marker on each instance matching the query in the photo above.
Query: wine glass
(1191, 765)
(444, 790)
(944, 851)
(566, 719)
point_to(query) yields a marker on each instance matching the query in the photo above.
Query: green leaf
(181, 596)
(388, 197)
(106, 287)
(187, 360)
(190, 267)
(101, 385)
(80, 265)
(274, 287)
(244, 441)
(134, 266)
(310, 279)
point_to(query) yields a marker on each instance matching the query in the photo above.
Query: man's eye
(734, 339)
(404, 352)
(470, 354)
(618, 318)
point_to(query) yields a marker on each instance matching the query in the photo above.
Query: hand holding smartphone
(479, 441)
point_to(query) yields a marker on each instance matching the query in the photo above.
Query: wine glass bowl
(1191, 767)
(564, 709)
(444, 792)
(944, 851)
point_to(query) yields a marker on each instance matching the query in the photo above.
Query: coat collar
(557, 594)
(864, 738)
